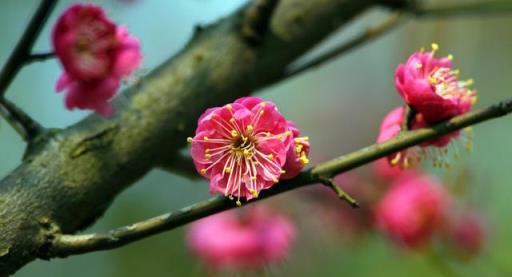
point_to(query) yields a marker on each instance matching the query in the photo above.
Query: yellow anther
(246, 152)
(207, 150)
(253, 178)
(232, 120)
(238, 203)
(396, 159)
(283, 171)
(229, 106)
(275, 180)
(435, 47)
(255, 194)
(205, 138)
(456, 72)
(190, 139)
(299, 140)
(469, 82)
(303, 159)
(473, 100)
(207, 156)
(227, 170)
(288, 133)
(270, 156)
(234, 133)
(450, 57)
(249, 128)
(203, 171)
(298, 148)
(262, 112)
(432, 79)
(230, 197)
(280, 136)
(419, 65)
(406, 163)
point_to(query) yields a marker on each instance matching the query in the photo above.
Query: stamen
(396, 159)
(250, 128)
(435, 47)
(190, 139)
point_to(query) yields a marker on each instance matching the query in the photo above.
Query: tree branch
(342, 195)
(65, 245)
(467, 9)
(71, 177)
(367, 36)
(257, 19)
(181, 165)
(22, 50)
(24, 125)
(40, 57)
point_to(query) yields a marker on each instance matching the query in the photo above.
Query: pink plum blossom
(413, 208)
(246, 240)
(242, 147)
(391, 127)
(430, 86)
(467, 233)
(96, 55)
(297, 156)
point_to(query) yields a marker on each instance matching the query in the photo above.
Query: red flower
(96, 54)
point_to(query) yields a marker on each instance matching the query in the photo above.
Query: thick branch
(65, 245)
(22, 50)
(71, 177)
(257, 19)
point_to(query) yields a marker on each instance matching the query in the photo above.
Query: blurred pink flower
(391, 127)
(297, 156)
(384, 170)
(467, 233)
(96, 54)
(413, 208)
(431, 87)
(241, 147)
(246, 240)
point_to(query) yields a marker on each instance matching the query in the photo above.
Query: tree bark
(68, 178)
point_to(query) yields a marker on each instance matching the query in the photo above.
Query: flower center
(445, 83)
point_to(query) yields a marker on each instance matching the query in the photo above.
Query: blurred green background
(338, 105)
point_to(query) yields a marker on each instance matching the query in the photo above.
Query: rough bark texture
(69, 177)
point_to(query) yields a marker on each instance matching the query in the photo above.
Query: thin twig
(65, 245)
(24, 125)
(367, 36)
(329, 182)
(22, 50)
(39, 57)
(466, 9)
